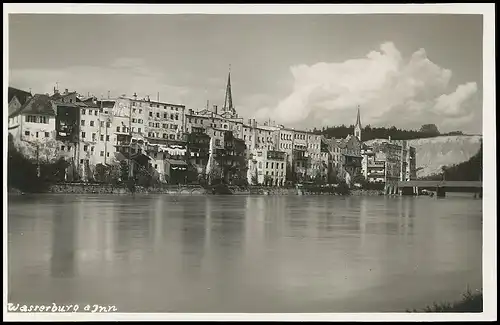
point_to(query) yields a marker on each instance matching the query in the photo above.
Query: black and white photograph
(249, 162)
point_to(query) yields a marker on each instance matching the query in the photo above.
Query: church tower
(228, 101)
(357, 127)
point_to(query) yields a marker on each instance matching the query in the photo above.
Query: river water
(165, 253)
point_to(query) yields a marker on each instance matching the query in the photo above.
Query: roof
(21, 95)
(38, 104)
(176, 162)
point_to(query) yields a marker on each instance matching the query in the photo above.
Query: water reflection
(62, 261)
(243, 253)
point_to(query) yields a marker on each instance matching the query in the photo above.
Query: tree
(430, 129)
(267, 180)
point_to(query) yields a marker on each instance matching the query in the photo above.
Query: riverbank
(90, 188)
(470, 303)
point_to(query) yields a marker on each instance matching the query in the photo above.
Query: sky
(302, 71)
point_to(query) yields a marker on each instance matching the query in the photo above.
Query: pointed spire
(228, 101)
(358, 119)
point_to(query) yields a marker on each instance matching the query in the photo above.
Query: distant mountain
(433, 153)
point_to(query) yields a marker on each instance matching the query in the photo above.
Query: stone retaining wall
(83, 188)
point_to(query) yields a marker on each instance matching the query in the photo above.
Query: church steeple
(228, 101)
(357, 127)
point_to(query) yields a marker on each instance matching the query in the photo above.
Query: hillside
(433, 153)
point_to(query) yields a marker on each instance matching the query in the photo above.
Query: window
(156, 166)
(133, 103)
(107, 124)
(165, 116)
(171, 116)
(102, 153)
(81, 161)
(177, 116)
(165, 125)
(133, 120)
(83, 135)
(177, 108)
(217, 142)
(92, 149)
(46, 134)
(158, 115)
(107, 138)
(172, 136)
(83, 112)
(164, 135)
(91, 123)
(82, 122)
(260, 164)
(157, 125)
(124, 129)
(140, 111)
(157, 105)
(93, 136)
(139, 130)
(107, 154)
(85, 147)
(102, 137)
(151, 114)
(95, 112)
(37, 134)
(62, 148)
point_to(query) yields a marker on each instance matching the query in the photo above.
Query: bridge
(440, 187)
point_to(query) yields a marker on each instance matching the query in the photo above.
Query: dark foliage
(370, 133)
(32, 176)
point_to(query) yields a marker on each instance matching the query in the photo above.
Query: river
(161, 253)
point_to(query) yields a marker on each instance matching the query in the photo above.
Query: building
(389, 161)
(267, 167)
(32, 127)
(16, 99)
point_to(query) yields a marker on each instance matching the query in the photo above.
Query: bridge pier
(406, 190)
(440, 192)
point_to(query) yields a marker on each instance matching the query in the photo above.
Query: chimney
(66, 91)
(215, 109)
(56, 91)
(135, 95)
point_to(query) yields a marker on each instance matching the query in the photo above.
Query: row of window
(47, 134)
(286, 136)
(272, 164)
(272, 173)
(165, 135)
(94, 137)
(90, 111)
(157, 106)
(37, 119)
(164, 125)
(165, 116)
(140, 121)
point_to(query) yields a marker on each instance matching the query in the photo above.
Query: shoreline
(89, 188)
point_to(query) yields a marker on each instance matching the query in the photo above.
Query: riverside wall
(89, 188)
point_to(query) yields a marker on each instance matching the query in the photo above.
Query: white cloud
(387, 86)
(451, 104)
